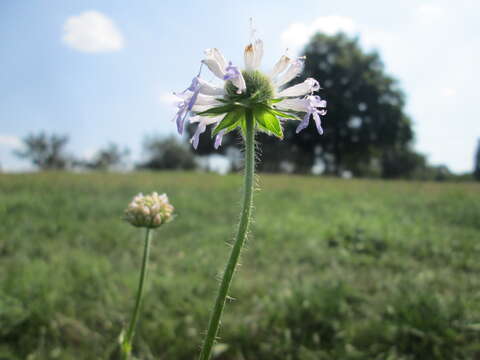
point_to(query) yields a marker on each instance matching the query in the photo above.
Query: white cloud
(91, 31)
(448, 92)
(10, 141)
(428, 13)
(298, 34)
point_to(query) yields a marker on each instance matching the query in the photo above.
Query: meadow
(334, 269)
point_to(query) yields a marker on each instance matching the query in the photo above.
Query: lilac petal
(193, 99)
(185, 106)
(194, 85)
(180, 122)
(232, 72)
(318, 122)
(304, 123)
(196, 137)
(218, 139)
(180, 119)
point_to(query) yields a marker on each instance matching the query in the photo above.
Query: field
(334, 269)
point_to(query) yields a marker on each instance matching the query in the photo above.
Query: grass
(334, 269)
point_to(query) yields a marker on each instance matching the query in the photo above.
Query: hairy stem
(216, 315)
(127, 342)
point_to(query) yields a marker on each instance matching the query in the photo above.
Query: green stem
(216, 315)
(127, 342)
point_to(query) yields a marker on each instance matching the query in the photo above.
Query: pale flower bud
(149, 211)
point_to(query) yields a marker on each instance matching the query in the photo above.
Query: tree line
(367, 131)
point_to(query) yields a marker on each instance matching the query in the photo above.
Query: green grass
(334, 269)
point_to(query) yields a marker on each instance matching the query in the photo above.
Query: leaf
(229, 122)
(284, 114)
(274, 101)
(215, 111)
(268, 121)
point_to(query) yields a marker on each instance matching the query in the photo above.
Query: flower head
(264, 95)
(149, 211)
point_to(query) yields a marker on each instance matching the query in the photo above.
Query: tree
(46, 152)
(167, 154)
(365, 106)
(476, 168)
(403, 163)
(107, 158)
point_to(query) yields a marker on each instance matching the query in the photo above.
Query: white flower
(211, 103)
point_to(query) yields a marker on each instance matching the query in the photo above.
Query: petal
(180, 120)
(316, 101)
(218, 56)
(258, 53)
(304, 123)
(280, 66)
(210, 89)
(318, 123)
(249, 56)
(239, 82)
(292, 72)
(293, 104)
(208, 120)
(206, 100)
(200, 108)
(196, 137)
(214, 67)
(193, 100)
(304, 88)
(218, 138)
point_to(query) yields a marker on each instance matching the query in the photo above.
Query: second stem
(127, 343)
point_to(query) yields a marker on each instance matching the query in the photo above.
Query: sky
(104, 71)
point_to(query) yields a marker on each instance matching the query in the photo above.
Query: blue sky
(101, 71)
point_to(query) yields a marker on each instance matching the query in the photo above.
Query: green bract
(258, 98)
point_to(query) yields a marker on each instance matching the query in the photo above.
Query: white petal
(210, 89)
(208, 120)
(253, 55)
(280, 66)
(201, 99)
(292, 72)
(258, 46)
(239, 82)
(215, 62)
(249, 55)
(214, 67)
(206, 100)
(218, 56)
(293, 104)
(304, 88)
(200, 108)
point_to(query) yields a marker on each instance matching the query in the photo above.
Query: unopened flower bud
(149, 211)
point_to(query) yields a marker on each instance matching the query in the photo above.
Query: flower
(149, 211)
(225, 106)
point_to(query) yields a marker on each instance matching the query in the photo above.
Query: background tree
(365, 107)
(46, 152)
(476, 167)
(108, 158)
(167, 154)
(405, 163)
